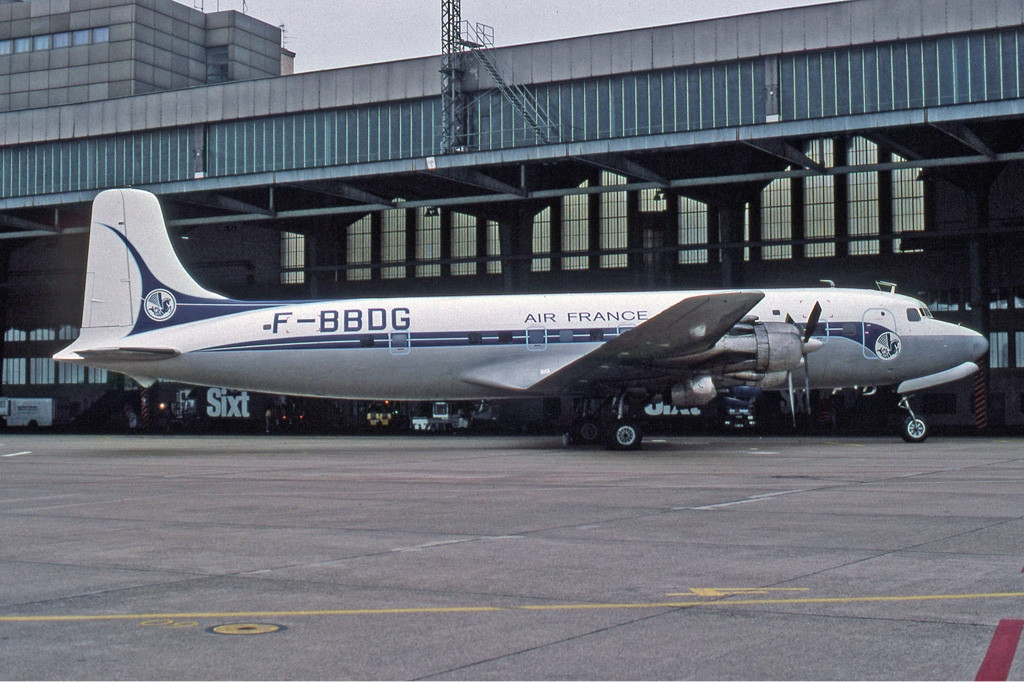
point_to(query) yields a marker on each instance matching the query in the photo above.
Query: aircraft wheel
(626, 436)
(915, 430)
(589, 431)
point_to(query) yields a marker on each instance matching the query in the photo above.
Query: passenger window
(536, 338)
(399, 342)
(913, 315)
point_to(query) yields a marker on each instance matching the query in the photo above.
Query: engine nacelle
(694, 391)
(780, 347)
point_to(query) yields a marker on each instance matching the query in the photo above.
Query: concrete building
(853, 141)
(57, 52)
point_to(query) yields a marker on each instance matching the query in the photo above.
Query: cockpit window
(914, 314)
(925, 312)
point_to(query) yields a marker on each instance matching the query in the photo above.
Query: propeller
(812, 323)
(810, 345)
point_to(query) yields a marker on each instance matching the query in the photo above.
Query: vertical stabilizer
(130, 260)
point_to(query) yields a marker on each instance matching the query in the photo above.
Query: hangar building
(856, 141)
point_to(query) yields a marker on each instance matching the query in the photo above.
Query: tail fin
(132, 267)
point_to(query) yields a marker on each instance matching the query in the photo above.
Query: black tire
(625, 436)
(914, 430)
(589, 432)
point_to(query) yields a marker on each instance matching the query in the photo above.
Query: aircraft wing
(127, 354)
(690, 326)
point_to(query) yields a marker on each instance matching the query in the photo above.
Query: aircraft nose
(977, 345)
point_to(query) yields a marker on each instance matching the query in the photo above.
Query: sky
(327, 34)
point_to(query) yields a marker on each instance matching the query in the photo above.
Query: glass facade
(98, 163)
(976, 67)
(956, 69)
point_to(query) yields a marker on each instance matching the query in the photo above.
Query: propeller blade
(812, 321)
(792, 398)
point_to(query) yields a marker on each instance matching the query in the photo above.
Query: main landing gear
(608, 421)
(914, 429)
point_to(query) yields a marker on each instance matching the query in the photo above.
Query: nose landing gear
(914, 429)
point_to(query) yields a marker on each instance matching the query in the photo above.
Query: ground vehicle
(30, 412)
(440, 419)
(381, 415)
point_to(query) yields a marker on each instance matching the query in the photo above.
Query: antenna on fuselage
(882, 286)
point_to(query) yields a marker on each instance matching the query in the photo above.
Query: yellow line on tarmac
(493, 609)
(247, 614)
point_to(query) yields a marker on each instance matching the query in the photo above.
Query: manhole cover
(245, 629)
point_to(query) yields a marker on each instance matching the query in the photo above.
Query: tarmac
(280, 557)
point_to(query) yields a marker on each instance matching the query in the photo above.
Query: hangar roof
(688, 107)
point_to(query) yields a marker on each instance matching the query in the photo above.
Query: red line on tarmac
(996, 665)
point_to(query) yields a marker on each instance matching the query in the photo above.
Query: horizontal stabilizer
(921, 383)
(127, 354)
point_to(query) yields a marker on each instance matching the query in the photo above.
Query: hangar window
(6, 46)
(463, 244)
(14, 373)
(999, 349)
(15, 335)
(392, 242)
(70, 374)
(493, 248)
(42, 334)
(819, 203)
(613, 223)
(293, 258)
(22, 45)
(653, 201)
(693, 231)
(541, 241)
(43, 371)
(776, 219)
(98, 376)
(576, 230)
(428, 241)
(863, 198)
(1018, 339)
(359, 249)
(907, 204)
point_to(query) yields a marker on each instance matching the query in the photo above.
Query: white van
(30, 412)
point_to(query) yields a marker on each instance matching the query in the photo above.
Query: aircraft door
(879, 334)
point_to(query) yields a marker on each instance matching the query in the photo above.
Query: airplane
(146, 317)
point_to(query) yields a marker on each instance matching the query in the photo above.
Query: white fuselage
(477, 347)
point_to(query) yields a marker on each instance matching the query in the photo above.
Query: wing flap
(692, 325)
